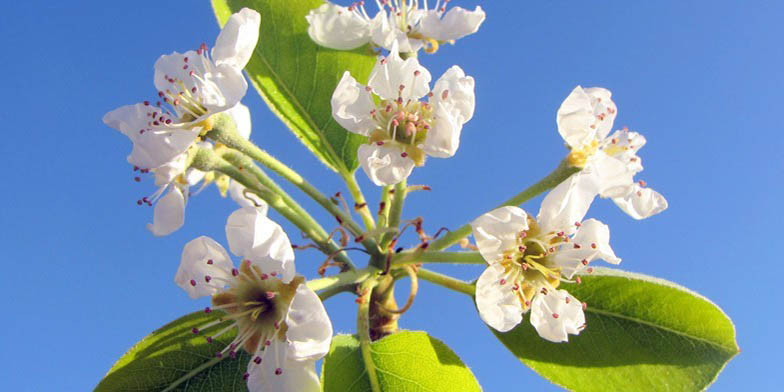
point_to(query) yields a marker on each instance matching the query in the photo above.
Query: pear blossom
(280, 322)
(609, 161)
(193, 86)
(398, 22)
(402, 129)
(527, 260)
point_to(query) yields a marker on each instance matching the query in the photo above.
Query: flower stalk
(561, 173)
(446, 281)
(363, 331)
(224, 132)
(207, 160)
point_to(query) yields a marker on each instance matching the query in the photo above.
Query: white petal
(386, 34)
(253, 236)
(237, 39)
(497, 231)
(623, 146)
(168, 172)
(203, 257)
(336, 27)
(596, 235)
(443, 138)
(392, 72)
(384, 165)
(351, 106)
(456, 90)
(456, 23)
(247, 199)
(611, 175)
(498, 304)
(193, 176)
(641, 202)
(309, 331)
(170, 71)
(222, 88)
(293, 376)
(568, 203)
(153, 146)
(241, 115)
(585, 115)
(557, 314)
(169, 213)
(593, 239)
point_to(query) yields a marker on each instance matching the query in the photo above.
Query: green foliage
(174, 359)
(404, 361)
(296, 77)
(642, 334)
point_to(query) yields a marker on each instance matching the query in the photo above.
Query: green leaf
(404, 361)
(642, 334)
(296, 77)
(174, 359)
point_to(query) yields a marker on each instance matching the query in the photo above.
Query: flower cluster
(271, 311)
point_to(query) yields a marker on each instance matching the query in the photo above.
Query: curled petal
(221, 89)
(585, 115)
(392, 78)
(593, 239)
(567, 203)
(456, 90)
(352, 105)
(384, 165)
(456, 23)
(169, 71)
(336, 27)
(497, 231)
(499, 306)
(169, 213)
(641, 202)
(247, 199)
(203, 258)
(623, 146)
(168, 172)
(241, 115)
(237, 39)
(556, 315)
(279, 373)
(309, 331)
(443, 138)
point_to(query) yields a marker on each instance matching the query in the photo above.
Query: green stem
(415, 257)
(446, 281)
(360, 204)
(224, 131)
(342, 279)
(395, 211)
(561, 173)
(383, 212)
(264, 187)
(363, 330)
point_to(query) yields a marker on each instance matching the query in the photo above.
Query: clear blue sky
(702, 80)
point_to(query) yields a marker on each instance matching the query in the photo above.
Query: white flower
(402, 130)
(192, 86)
(401, 23)
(609, 161)
(280, 322)
(527, 259)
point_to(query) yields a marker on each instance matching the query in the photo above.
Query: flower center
(579, 156)
(528, 266)
(404, 124)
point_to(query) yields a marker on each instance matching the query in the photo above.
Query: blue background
(83, 279)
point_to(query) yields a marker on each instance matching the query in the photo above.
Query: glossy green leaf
(174, 359)
(405, 361)
(642, 334)
(296, 77)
